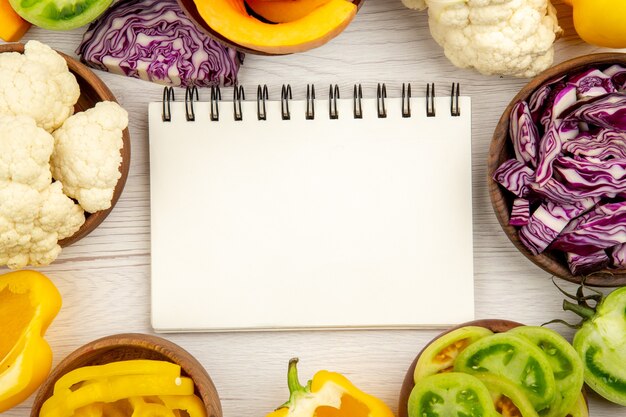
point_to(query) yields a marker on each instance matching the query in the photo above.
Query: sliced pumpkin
(316, 28)
(282, 11)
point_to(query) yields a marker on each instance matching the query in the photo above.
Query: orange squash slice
(282, 11)
(229, 19)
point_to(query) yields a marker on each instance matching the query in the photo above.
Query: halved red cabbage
(547, 222)
(155, 41)
(549, 148)
(618, 256)
(592, 83)
(514, 176)
(524, 134)
(520, 213)
(601, 228)
(585, 264)
(605, 144)
(592, 178)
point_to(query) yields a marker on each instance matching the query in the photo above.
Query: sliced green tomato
(566, 366)
(450, 394)
(508, 399)
(439, 356)
(60, 14)
(515, 359)
(580, 408)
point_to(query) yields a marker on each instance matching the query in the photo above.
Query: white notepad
(299, 224)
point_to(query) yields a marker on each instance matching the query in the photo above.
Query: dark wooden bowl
(92, 91)
(190, 9)
(134, 346)
(496, 326)
(501, 150)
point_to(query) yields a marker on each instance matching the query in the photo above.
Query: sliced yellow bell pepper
(328, 394)
(28, 304)
(600, 22)
(189, 403)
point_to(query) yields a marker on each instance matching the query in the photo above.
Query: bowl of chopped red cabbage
(557, 170)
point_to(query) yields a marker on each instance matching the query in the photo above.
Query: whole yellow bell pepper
(600, 22)
(28, 304)
(328, 394)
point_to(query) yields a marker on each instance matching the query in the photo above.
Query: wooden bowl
(501, 149)
(92, 91)
(190, 9)
(496, 326)
(134, 346)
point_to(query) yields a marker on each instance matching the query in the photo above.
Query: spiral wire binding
(168, 97)
(262, 95)
(406, 100)
(285, 96)
(381, 95)
(333, 96)
(238, 95)
(310, 101)
(455, 110)
(358, 101)
(216, 96)
(430, 100)
(189, 94)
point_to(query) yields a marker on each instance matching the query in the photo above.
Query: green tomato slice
(580, 408)
(601, 344)
(60, 14)
(450, 394)
(439, 356)
(565, 363)
(508, 399)
(513, 358)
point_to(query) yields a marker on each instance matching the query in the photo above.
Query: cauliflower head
(38, 84)
(86, 156)
(34, 213)
(504, 37)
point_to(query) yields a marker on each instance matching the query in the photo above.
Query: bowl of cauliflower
(64, 153)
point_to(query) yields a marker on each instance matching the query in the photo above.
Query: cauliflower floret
(504, 37)
(37, 84)
(25, 151)
(34, 214)
(87, 156)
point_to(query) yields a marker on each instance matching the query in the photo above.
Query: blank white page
(292, 224)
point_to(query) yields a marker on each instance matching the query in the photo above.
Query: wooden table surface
(105, 278)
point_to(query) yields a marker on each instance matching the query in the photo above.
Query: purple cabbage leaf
(618, 256)
(514, 176)
(550, 148)
(606, 144)
(524, 134)
(520, 213)
(592, 83)
(585, 264)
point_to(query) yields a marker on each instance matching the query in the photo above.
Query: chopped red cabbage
(618, 76)
(585, 264)
(514, 176)
(606, 144)
(607, 111)
(601, 228)
(520, 213)
(592, 83)
(537, 101)
(618, 256)
(547, 222)
(550, 147)
(592, 178)
(156, 41)
(524, 134)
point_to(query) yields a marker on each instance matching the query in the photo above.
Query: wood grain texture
(501, 150)
(105, 278)
(92, 91)
(124, 347)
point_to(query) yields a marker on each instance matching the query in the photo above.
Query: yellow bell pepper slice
(29, 301)
(141, 408)
(121, 368)
(189, 403)
(328, 394)
(113, 389)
